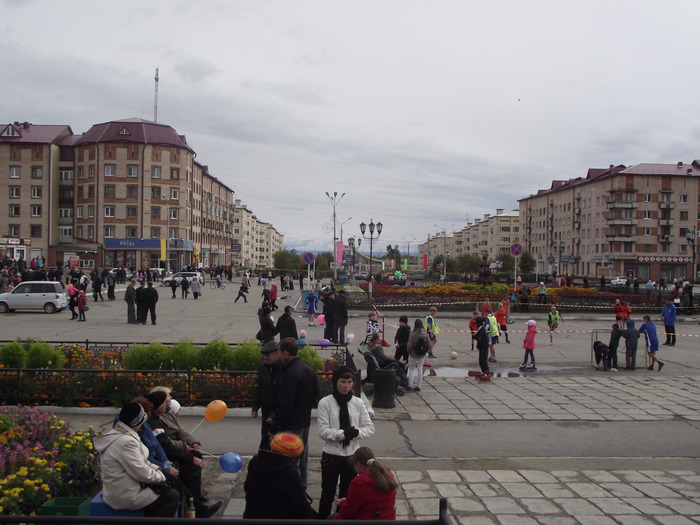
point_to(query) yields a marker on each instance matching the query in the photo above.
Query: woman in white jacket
(343, 421)
(126, 471)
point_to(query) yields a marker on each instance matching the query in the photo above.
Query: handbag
(86, 308)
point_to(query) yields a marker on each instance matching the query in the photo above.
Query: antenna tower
(155, 100)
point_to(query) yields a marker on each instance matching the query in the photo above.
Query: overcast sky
(426, 114)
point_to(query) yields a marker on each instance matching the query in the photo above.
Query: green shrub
(247, 356)
(151, 357)
(184, 355)
(44, 355)
(12, 355)
(309, 356)
(216, 355)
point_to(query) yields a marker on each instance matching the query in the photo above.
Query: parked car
(179, 276)
(49, 296)
(618, 281)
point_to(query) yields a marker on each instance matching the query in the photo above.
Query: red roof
(134, 130)
(39, 134)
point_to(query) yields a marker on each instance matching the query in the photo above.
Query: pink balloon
(321, 319)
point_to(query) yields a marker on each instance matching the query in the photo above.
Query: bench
(98, 507)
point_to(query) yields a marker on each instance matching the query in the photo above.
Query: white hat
(175, 407)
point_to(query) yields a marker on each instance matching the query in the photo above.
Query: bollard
(384, 388)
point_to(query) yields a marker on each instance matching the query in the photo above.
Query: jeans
(332, 468)
(303, 460)
(415, 371)
(339, 335)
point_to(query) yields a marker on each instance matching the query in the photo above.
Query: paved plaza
(568, 444)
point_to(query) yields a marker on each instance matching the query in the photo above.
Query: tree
(469, 264)
(507, 262)
(527, 262)
(394, 253)
(287, 260)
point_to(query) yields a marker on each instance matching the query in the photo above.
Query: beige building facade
(621, 221)
(125, 193)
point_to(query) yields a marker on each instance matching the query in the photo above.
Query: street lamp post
(690, 236)
(334, 201)
(444, 250)
(562, 245)
(351, 243)
(167, 237)
(363, 228)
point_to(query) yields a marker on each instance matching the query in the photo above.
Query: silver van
(48, 296)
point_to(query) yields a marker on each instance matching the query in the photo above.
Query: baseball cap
(269, 347)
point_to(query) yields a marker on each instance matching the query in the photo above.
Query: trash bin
(66, 507)
(384, 388)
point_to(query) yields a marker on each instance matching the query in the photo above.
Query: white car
(179, 276)
(618, 281)
(48, 296)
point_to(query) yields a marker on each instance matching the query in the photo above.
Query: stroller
(372, 365)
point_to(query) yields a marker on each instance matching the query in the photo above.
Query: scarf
(344, 416)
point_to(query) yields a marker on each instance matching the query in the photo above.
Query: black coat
(266, 387)
(267, 329)
(482, 337)
(287, 327)
(340, 311)
(296, 395)
(273, 489)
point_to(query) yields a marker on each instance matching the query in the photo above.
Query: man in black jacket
(150, 298)
(269, 373)
(286, 325)
(296, 395)
(340, 318)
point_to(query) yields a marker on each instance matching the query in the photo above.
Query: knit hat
(403, 319)
(302, 333)
(132, 415)
(338, 372)
(531, 322)
(157, 398)
(288, 445)
(175, 406)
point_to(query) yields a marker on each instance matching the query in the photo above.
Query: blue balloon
(324, 343)
(231, 462)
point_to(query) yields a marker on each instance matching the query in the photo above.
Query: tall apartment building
(126, 192)
(616, 221)
(490, 236)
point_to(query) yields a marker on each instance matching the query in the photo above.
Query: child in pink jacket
(529, 345)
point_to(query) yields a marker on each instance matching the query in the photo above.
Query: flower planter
(66, 507)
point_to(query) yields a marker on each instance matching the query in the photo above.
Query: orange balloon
(215, 411)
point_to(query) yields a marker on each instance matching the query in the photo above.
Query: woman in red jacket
(372, 494)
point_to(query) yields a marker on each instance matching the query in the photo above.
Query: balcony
(667, 205)
(65, 220)
(623, 190)
(665, 222)
(620, 237)
(65, 239)
(62, 182)
(616, 221)
(620, 205)
(666, 238)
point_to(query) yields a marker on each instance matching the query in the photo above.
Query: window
(13, 230)
(35, 230)
(683, 248)
(684, 215)
(131, 212)
(80, 192)
(131, 232)
(109, 232)
(91, 190)
(132, 192)
(79, 211)
(37, 172)
(155, 233)
(684, 199)
(15, 172)
(80, 232)
(647, 231)
(110, 170)
(65, 175)
(647, 197)
(132, 170)
(174, 213)
(665, 247)
(109, 211)
(91, 171)
(174, 194)
(155, 192)
(155, 212)
(36, 211)
(665, 197)
(81, 172)
(110, 190)
(627, 214)
(91, 232)
(15, 192)
(65, 231)
(36, 192)
(91, 211)
(174, 173)
(14, 210)
(155, 172)
(647, 214)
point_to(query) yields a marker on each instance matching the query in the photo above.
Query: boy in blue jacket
(649, 330)
(669, 316)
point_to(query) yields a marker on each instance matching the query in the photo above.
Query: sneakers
(492, 358)
(416, 389)
(661, 365)
(613, 369)
(651, 367)
(207, 511)
(431, 355)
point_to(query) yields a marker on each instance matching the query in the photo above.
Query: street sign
(308, 258)
(516, 249)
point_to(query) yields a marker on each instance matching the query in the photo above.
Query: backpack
(420, 348)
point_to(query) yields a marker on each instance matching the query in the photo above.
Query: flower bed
(40, 458)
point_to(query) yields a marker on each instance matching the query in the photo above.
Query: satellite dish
(327, 228)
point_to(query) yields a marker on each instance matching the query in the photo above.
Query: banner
(339, 252)
(425, 261)
(163, 252)
(405, 264)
